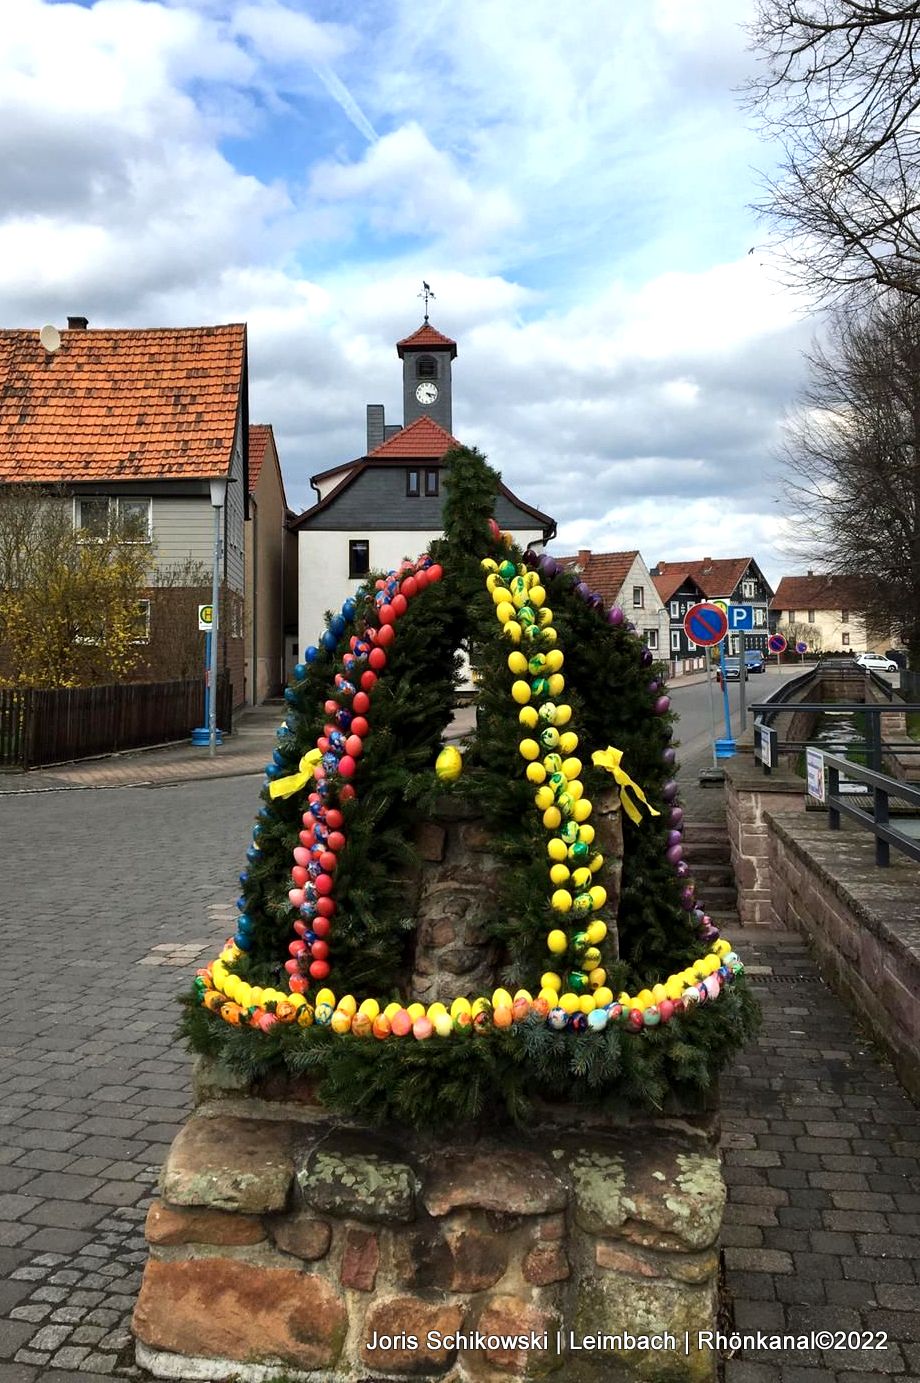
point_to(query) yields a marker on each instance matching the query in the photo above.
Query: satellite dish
(50, 338)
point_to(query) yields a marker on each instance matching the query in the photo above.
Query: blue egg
(337, 626)
(266, 814)
(244, 922)
(290, 695)
(349, 608)
(329, 640)
(310, 654)
(578, 1021)
(598, 1019)
(241, 941)
(243, 877)
(241, 904)
(253, 854)
(273, 771)
(557, 1018)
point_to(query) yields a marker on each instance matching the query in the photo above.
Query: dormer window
(426, 367)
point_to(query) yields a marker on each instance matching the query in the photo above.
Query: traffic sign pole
(725, 748)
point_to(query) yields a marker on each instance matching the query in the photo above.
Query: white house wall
(323, 580)
(651, 615)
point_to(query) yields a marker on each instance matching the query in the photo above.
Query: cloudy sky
(573, 181)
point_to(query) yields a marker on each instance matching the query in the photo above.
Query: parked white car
(876, 662)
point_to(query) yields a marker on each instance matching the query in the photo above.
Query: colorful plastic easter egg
(449, 764)
(557, 1019)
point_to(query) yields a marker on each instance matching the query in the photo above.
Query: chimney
(77, 323)
(810, 572)
(584, 557)
(375, 426)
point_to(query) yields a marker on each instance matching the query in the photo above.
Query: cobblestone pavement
(109, 900)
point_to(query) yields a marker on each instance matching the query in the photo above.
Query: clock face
(426, 393)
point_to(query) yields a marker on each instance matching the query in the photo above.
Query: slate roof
(426, 338)
(120, 405)
(817, 593)
(604, 572)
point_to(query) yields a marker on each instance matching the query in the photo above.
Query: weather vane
(426, 293)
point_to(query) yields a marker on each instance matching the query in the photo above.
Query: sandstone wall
(750, 794)
(291, 1245)
(864, 923)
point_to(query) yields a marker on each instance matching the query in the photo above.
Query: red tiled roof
(715, 576)
(817, 593)
(422, 438)
(665, 585)
(120, 405)
(426, 338)
(259, 434)
(604, 572)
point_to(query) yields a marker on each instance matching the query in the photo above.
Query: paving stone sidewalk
(821, 1143)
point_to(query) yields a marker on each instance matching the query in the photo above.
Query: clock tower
(426, 356)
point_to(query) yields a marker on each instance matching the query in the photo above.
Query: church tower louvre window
(426, 367)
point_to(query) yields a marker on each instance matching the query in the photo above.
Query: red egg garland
(323, 839)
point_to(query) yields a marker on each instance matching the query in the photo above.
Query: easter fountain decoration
(581, 1006)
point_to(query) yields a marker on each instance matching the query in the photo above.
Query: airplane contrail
(340, 94)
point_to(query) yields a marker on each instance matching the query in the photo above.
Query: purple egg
(675, 815)
(583, 590)
(682, 869)
(674, 837)
(669, 757)
(669, 791)
(596, 602)
(530, 558)
(615, 616)
(674, 854)
(646, 657)
(709, 934)
(662, 705)
(654, 686)
(687, 896)
(546, 565)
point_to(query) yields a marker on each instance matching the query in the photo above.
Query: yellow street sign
(205, 618)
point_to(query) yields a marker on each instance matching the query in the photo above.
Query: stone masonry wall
(293, 1245)
(454, 891)
(863, 922)
(750, 795)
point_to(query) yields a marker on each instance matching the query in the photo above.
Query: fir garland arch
(332, 843)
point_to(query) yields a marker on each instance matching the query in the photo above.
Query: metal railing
(879, 823)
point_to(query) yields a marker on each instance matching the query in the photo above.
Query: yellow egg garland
(578, 1002)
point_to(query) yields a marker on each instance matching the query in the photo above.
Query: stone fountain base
(288, 1243)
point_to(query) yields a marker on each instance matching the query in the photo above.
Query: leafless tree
(176, 647)
(852, 481)
(840, 91)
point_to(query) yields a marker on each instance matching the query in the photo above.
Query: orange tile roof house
(137, 422)
(824, 611)
(623, 579)
(737, 580)
(378, 508)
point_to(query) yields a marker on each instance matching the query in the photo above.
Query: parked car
(897, 655)
(733, 669)
(754, 660)
(876, 662)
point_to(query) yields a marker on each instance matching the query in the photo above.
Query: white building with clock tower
(373, 511)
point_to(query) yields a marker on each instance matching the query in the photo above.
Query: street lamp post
(218, 497)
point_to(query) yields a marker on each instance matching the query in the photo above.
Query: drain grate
(786, 979)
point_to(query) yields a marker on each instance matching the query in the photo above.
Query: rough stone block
(224, 1163)
(610, 1253)
(391, 1326)
(546, 1263)
(511, 1182)
(671, 1200)
(360, 1260)
(513, 1318)
(303, 1235)
(430, 840)
(361, 1186)
(551, 1227)
(478, 1259)
(168, 1226)
(617, 1306)
(228, 1309)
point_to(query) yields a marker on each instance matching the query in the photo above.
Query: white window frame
(651, 639)
(749, 589)
(675, 609)
(640, 603)
(675, 640)
(760, 617)
(845, 639)
(113, 511)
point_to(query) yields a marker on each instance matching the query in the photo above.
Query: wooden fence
(39, 727)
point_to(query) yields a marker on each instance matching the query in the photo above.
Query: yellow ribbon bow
(610, 759)
(284, 787)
